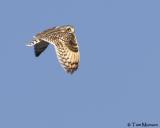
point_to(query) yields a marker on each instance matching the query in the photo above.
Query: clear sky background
(119, 76)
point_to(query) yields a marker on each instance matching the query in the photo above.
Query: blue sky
(119, 76)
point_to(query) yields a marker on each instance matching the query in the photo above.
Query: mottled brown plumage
(64, 40)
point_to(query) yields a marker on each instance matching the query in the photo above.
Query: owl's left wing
(40, 47)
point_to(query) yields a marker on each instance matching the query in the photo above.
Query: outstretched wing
(68, 59)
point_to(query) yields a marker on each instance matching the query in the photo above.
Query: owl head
(66, 28)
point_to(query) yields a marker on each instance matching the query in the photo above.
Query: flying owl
(65, 43)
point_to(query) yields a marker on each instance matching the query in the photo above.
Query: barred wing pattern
(68, 59)
(64, 40)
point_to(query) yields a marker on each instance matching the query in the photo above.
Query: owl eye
(69, 29)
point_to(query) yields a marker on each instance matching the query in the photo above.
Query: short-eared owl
(64, 40)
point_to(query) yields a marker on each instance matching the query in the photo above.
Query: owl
(64, 40)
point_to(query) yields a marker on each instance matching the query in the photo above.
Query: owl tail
(33, 42)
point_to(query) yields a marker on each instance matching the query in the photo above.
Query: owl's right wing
(68, 59)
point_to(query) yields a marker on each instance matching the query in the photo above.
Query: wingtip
(28, 45)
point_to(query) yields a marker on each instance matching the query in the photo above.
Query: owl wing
(68, 59)
(40, 47)
(40, 41)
